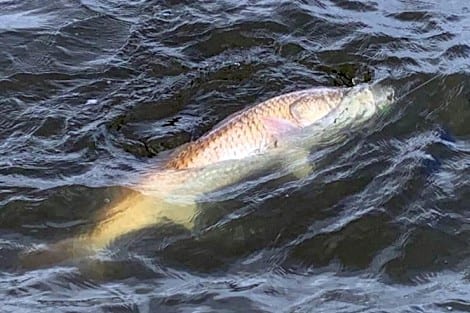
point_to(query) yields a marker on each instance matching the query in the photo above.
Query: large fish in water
(276, 132)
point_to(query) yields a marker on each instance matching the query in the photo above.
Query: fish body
(278, 131)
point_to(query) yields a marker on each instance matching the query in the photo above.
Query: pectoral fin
(278, 126)
(297, 163)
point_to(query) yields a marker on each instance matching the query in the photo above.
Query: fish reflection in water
(277, 133)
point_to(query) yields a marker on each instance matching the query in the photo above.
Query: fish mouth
(384, 96)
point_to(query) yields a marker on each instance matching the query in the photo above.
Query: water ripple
(93, 90)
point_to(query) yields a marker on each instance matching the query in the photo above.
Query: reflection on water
(26, 20)
(93, 91)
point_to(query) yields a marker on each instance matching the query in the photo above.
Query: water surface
(91, 92)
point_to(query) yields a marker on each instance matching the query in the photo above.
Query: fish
(277, 133)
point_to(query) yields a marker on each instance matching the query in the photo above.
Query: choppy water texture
(92, 91)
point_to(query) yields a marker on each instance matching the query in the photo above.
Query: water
(91, 91)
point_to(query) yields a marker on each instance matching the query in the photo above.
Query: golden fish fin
(168, 155)
(297, 162)
(229, 118)
(133, 213)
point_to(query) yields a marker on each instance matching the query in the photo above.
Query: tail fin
(132, 213)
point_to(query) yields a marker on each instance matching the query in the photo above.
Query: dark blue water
(91, 92)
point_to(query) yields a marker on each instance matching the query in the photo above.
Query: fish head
(342, 110)
(314, 104)
(364, 101)
(384, 96)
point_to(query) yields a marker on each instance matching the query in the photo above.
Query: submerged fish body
(279, 131)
